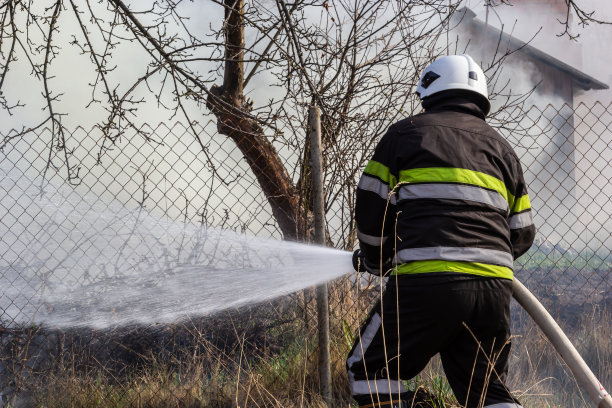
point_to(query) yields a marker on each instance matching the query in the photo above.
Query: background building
(554, 135)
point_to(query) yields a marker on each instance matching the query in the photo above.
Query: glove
(361, 265)
(358, 261)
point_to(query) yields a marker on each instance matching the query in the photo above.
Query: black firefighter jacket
(444, 192)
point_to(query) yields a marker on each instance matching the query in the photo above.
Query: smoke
(72, 72)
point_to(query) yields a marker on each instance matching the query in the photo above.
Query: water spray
(77, 260)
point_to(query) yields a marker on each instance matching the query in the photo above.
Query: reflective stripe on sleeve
(521, 220)
(480, 255)
(376, 186)
(504, 405)
(473, 268)
(371, 239)
(453, 192)
(380, 171)
(521, 204)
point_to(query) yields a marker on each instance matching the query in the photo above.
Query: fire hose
(562, 344)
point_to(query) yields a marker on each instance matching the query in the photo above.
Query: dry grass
(540, 376)
(203, 374)
(213, 379)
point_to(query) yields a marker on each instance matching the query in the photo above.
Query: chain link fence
(567, 159)
(262, 355)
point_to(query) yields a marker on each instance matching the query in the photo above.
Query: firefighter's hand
(358, 262)
(361, 265)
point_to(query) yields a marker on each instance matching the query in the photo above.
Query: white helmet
(453, 72)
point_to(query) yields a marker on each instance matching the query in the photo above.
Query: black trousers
(465, 318)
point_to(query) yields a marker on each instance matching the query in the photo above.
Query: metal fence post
(314, 126)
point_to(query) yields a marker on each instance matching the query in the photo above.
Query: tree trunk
(227, 103)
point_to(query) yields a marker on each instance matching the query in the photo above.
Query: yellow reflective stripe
(381, 171)
(474, 268)
(521, 204)
(455, 175)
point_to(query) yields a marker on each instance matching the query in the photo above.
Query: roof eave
(584, 81)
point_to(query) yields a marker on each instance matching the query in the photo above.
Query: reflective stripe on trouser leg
(382, 386)
(373, 386)
(504, 405)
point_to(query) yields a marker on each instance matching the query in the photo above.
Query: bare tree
(358, 60)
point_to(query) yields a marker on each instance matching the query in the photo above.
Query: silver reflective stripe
(370, 239)
(504, 405)
(489, 256)
(364, 386)
(366, 339)
(521, 220)
(377, 387)
(374, 185)
(372, 386)
(453, 192)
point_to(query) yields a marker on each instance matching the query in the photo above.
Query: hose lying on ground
(562, 344)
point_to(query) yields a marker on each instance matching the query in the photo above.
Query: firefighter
(442, 209)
